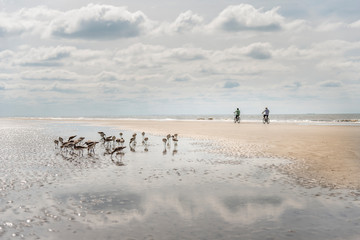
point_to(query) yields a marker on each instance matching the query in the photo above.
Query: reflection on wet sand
(187, 204)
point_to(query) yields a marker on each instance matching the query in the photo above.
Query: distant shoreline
(302, 119)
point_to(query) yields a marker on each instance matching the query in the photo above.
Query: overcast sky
(118, 58)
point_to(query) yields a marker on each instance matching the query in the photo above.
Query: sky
(163, 57)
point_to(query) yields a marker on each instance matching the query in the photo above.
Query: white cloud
(100, 22)
(329, 26)
(10, 27)
(49, 75)
(259, 50)
(43, 56)
(186, 22)
(26, 20)
(245, 17)
(187, 54)
(355, 24)
(298, 25)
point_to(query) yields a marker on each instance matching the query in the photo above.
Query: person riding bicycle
(237, 114)
(266, 113)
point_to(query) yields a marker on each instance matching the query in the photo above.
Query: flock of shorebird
(112, 144)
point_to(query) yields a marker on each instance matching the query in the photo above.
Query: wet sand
(327, 155)
(196, 189)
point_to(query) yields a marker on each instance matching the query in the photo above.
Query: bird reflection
(118, 159)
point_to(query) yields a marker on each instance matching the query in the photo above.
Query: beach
(220, 180)
(331, 154)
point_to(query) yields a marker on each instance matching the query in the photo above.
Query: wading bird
(117, 150)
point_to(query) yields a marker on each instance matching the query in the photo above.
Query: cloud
(231, 84)
(186, 22)
(99, 22)
(183, 78)
(6, 76)
(259, 50)
(330, 84)
(245, 17)
(329, 26)
(26, 20)
(49, 75)
(66, 90)
(293, 86)
(355, 24)
(106, 76)
(10, 26)
(43, 56)
(187, 54)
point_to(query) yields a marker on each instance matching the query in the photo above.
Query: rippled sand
(196, 190)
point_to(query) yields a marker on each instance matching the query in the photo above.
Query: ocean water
(314, 119)
(156, 191)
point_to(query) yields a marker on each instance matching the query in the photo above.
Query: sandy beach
(329, 155)
(219, 181)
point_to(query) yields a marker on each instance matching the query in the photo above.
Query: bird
(108, 141)
(77, 141)
(164, 141)
(132, 142)
(117, 149)
(168, 137)
(175, 140)
(71, 137)
(143, 137)
(134, 137)
(67, 146)
(91, 146)
(102, 134)
(56, 142)
(122, 141)
(79, 149)
(113, 140)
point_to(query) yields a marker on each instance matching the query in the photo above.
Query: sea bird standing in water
(117, 150)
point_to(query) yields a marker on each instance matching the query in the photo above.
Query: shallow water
(187, 192)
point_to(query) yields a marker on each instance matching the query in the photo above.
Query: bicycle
(236, 119)
(266, 119)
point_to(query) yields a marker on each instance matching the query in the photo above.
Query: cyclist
(266, 113)
(237, 115)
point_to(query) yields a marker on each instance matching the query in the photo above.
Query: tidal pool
(155, 192)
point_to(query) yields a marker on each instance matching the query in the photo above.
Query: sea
(312, 119)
